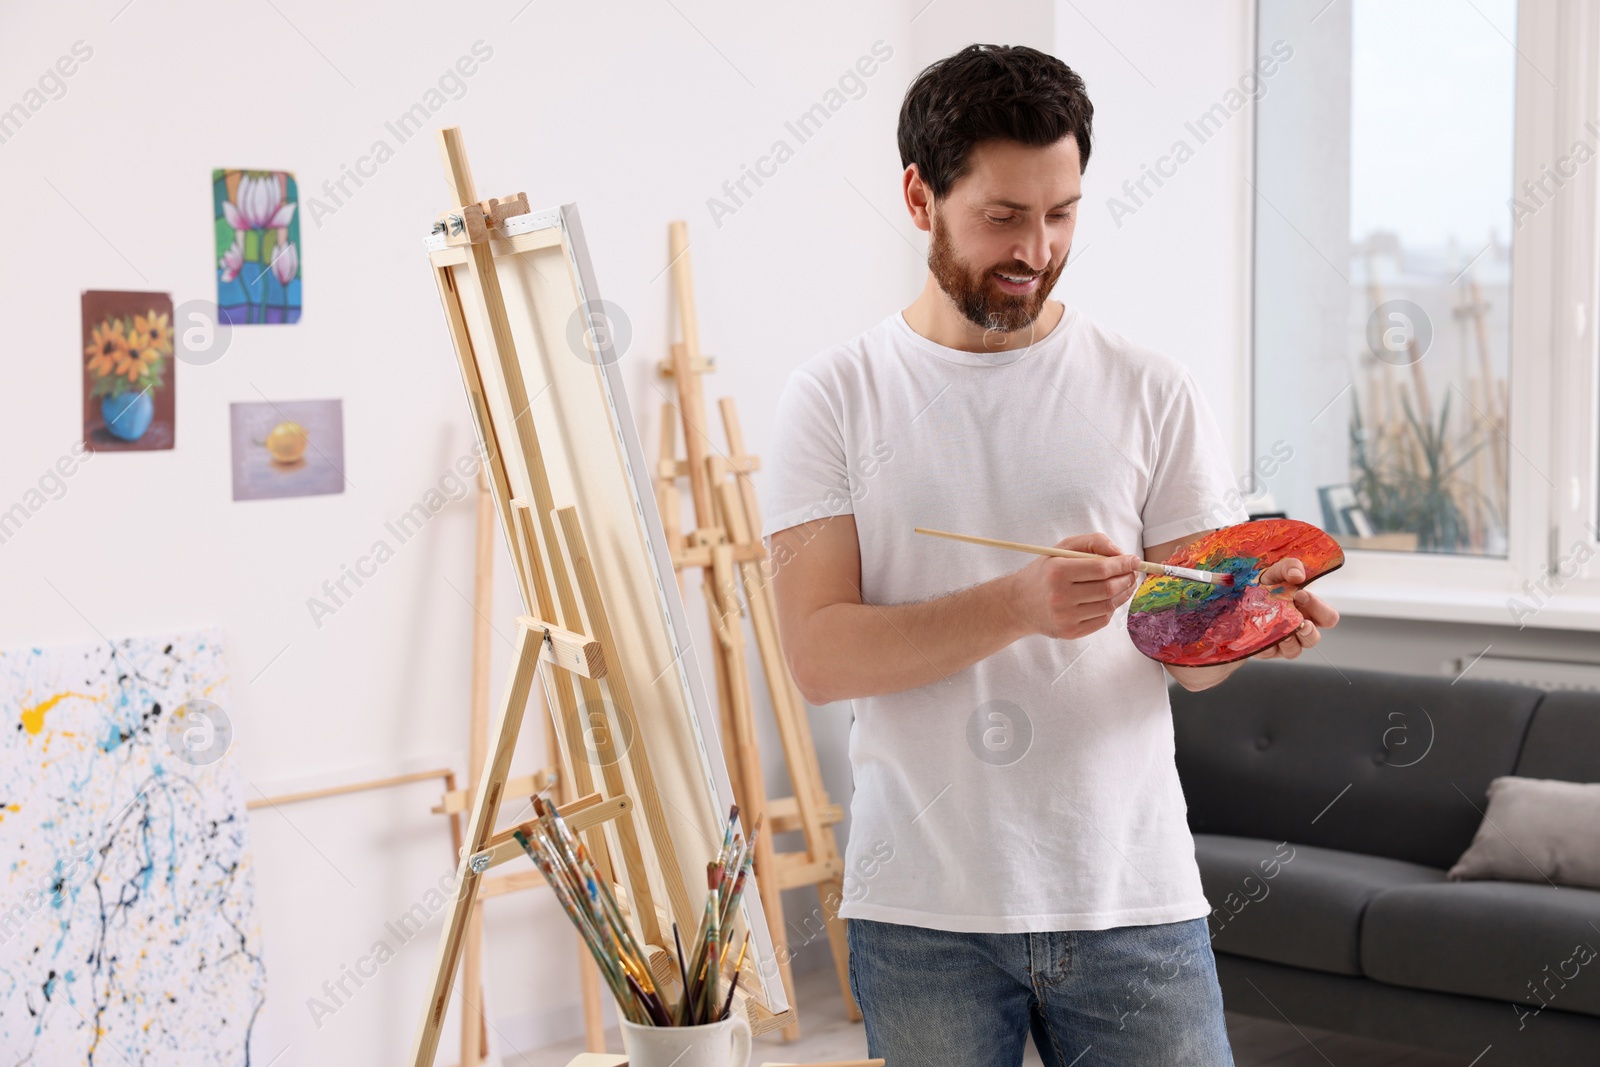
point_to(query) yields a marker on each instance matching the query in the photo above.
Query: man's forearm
(858, 650)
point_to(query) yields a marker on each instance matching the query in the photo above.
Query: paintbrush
(713, 929)
(731, 901)
(1144, 566)
(714, 957)
(693, 997)
(683, 965)
(728, 834)
(733, 985)
(652, 1003)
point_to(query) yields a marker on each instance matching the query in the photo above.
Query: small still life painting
(287, 448)
(130, 932)
(258, 246)
(128, 370)
(1196, 624)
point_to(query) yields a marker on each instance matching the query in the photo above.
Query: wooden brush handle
(1038, 550)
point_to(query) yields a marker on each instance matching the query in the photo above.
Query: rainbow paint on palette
(1193, 624)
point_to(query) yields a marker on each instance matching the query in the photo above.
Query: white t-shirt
(1034, 790)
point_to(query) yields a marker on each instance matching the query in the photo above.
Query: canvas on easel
(605, 630)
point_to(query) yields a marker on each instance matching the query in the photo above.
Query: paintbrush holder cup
(724, 1044)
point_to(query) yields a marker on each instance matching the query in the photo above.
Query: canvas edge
(671, 603)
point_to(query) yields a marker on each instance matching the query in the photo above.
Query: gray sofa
(1326, 806)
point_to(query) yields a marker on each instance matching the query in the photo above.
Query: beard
(975, 292)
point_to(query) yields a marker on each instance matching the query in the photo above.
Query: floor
(825, 1036)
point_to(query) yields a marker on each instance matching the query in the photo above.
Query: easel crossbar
(590, 811)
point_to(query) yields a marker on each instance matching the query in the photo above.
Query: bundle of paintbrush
(703, 1001)
(593, 909)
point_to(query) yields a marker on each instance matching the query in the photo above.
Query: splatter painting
(1194, 624)
(256, 218)
(127, 916)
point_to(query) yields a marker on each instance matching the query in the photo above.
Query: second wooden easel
(726, 545)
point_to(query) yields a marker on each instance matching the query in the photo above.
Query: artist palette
(1195, 624)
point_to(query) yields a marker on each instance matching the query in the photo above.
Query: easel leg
(748, 762)
(594, 1024)
(472, 1021)
(719, 663)
(485, 808)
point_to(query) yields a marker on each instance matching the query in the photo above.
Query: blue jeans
(1133, 996)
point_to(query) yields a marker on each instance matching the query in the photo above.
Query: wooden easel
(568, 638)
(726, 545)
(474, 1027)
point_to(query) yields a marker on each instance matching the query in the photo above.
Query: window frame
(1553, 418)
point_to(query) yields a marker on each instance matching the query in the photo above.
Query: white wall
(1166, 265)
(639, 112)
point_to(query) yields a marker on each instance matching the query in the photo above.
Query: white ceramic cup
(723, 1044)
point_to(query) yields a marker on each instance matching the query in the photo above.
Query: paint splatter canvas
(256, 216)
(127, 913)
(287, 448)
(129, 377)
(1195, 624)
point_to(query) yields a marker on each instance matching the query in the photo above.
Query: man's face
(999, 238)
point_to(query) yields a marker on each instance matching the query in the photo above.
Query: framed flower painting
(128, 381)
(257, 221)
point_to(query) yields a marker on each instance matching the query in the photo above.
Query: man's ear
(919, 198)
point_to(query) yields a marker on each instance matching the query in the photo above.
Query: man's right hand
(840, 648)
(1071, 598)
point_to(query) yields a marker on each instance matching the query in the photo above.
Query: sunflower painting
(257, 220)
(127, 371)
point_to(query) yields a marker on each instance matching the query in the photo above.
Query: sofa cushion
(1563, 739)
(1529, 944)
(1292, 903)
(1363, 761)
(1536, 830)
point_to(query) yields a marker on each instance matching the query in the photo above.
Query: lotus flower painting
(257, 221)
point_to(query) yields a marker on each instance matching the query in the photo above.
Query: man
(1019, 858)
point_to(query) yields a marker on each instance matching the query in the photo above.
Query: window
(1423, 298)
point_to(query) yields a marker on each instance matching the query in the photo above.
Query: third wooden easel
(726, 545)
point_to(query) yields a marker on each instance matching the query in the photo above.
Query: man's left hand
(1319, 615)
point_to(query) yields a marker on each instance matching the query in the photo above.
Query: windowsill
(1434, 604)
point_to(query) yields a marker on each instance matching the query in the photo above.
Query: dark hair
(988, 91)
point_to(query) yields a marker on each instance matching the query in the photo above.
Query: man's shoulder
(1135, 359)
(838, 364)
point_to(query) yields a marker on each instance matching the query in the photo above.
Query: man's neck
(935, 316)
